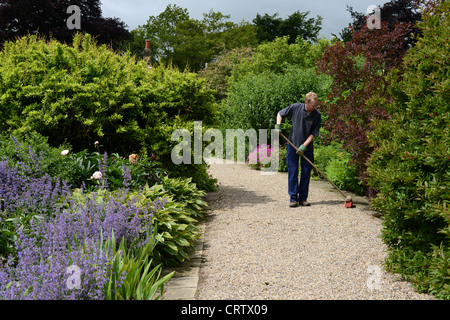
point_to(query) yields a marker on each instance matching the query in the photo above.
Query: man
(306, 121)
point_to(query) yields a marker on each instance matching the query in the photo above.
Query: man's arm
(308, 141)
(279, 118)
(278, 124)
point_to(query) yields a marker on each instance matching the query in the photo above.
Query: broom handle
(314, 166)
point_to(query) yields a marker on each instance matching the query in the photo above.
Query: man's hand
(278, 127)
(301, 150)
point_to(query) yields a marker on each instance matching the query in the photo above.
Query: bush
(358, 93)
(279, 57)
(409, 166)
(255, 100)
(343, 174)
(261, 157)
(76, 169)
(324, 154)
(24, 200)
(84, 93)
(47, 230)
(165, 145)
(217, 73)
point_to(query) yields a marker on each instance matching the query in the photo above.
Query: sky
(334, 12)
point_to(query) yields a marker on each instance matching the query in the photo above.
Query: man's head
(311, 101)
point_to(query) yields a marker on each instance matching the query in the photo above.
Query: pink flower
(64, 152)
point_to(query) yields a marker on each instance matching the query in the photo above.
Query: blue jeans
(298, 191)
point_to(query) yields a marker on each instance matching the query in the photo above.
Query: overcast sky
(334, 12)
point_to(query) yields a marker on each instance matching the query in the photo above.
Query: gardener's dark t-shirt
(303, 125)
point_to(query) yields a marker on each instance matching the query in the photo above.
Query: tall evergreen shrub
(410, 164)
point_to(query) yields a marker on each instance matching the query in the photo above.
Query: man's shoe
(293, 204)
(305, 204)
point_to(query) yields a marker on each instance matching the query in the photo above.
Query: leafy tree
(48, 18)
(268, 27)
(359, 90)
(409, 166)
(218, 72)
(185, 42)
(277, 57)
(162, 31)
(296, 25)
(393, 12)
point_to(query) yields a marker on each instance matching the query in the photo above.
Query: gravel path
(256, 247)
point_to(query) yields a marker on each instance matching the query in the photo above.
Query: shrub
(84, 93)
(164, 146)
(261, 157)
(80, 229)
(343, 174)
(324, 154)
(279, 57)
(217, 73)
(33, 151)
(25, 200)
(255, 100)
(117, 171)
(409, 166)
(358, 93)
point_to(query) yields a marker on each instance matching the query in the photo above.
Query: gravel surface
(256, 247)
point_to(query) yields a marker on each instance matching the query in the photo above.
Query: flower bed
(96, 243)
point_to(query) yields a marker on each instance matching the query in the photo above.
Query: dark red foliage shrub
(359, 90)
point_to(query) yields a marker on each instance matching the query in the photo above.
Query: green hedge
(83, 93)
(410, 165)
(255, 99)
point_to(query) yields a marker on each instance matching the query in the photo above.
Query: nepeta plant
(25, 199)
(75, 236)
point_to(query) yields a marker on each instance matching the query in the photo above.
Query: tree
(296, 25)
(48, 18)
(185, 42)
(219, 71)
(359, 90)
(395, 11)
(162, 31)
(268, 27)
